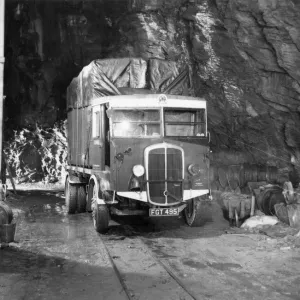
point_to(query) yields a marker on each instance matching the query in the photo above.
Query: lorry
(136, 144)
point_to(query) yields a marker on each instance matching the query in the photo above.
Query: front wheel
(193, 214)
(100, 218)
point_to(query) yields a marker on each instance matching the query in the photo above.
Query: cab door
(97, 142)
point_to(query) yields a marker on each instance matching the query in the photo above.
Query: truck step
(112, 202)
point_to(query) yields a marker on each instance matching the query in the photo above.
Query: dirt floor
(57, 256)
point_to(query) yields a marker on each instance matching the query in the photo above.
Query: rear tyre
(100, 218)
(81, 199)
(71, 197)
(90, 196)
(192, 213)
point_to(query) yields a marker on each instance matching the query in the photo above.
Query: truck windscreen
(179, 122)
(136, 123)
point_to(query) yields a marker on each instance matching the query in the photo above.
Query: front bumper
(142, 196)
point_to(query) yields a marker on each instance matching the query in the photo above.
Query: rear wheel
(90, 196)
(81, 199)
(192, 213)
(71, 197)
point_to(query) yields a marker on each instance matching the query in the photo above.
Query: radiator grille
(165, 175)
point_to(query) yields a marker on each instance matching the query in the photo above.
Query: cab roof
(150, 101)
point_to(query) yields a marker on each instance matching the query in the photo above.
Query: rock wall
(243, 56)
(265, 37)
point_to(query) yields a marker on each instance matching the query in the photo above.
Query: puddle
(224, 266)
(178, 270)
(162, 254)
(38, 211)
(194, 264)
(169, 242)
(285, 273)
(296, 281)
(296, 258)
(157, 249)
(150, 243)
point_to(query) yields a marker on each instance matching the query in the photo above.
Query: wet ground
(57, 256)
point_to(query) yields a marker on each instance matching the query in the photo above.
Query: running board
(112, 202)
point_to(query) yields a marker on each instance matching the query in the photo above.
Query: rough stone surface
(37, 155)
(243, 57)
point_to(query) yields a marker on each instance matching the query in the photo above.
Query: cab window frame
(159, 122)
(166, 123)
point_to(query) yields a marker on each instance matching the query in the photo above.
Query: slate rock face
(243, 57)
(265, 35)
(251, 78)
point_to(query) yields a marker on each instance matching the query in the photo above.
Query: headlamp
(138, 170)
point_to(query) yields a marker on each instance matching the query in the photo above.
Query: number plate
(158, 212)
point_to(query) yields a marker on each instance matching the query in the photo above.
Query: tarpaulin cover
(161, 73)
(108, 77)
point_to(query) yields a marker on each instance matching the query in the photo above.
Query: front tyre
(192, 213)
(100, 217)
(71, 197)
